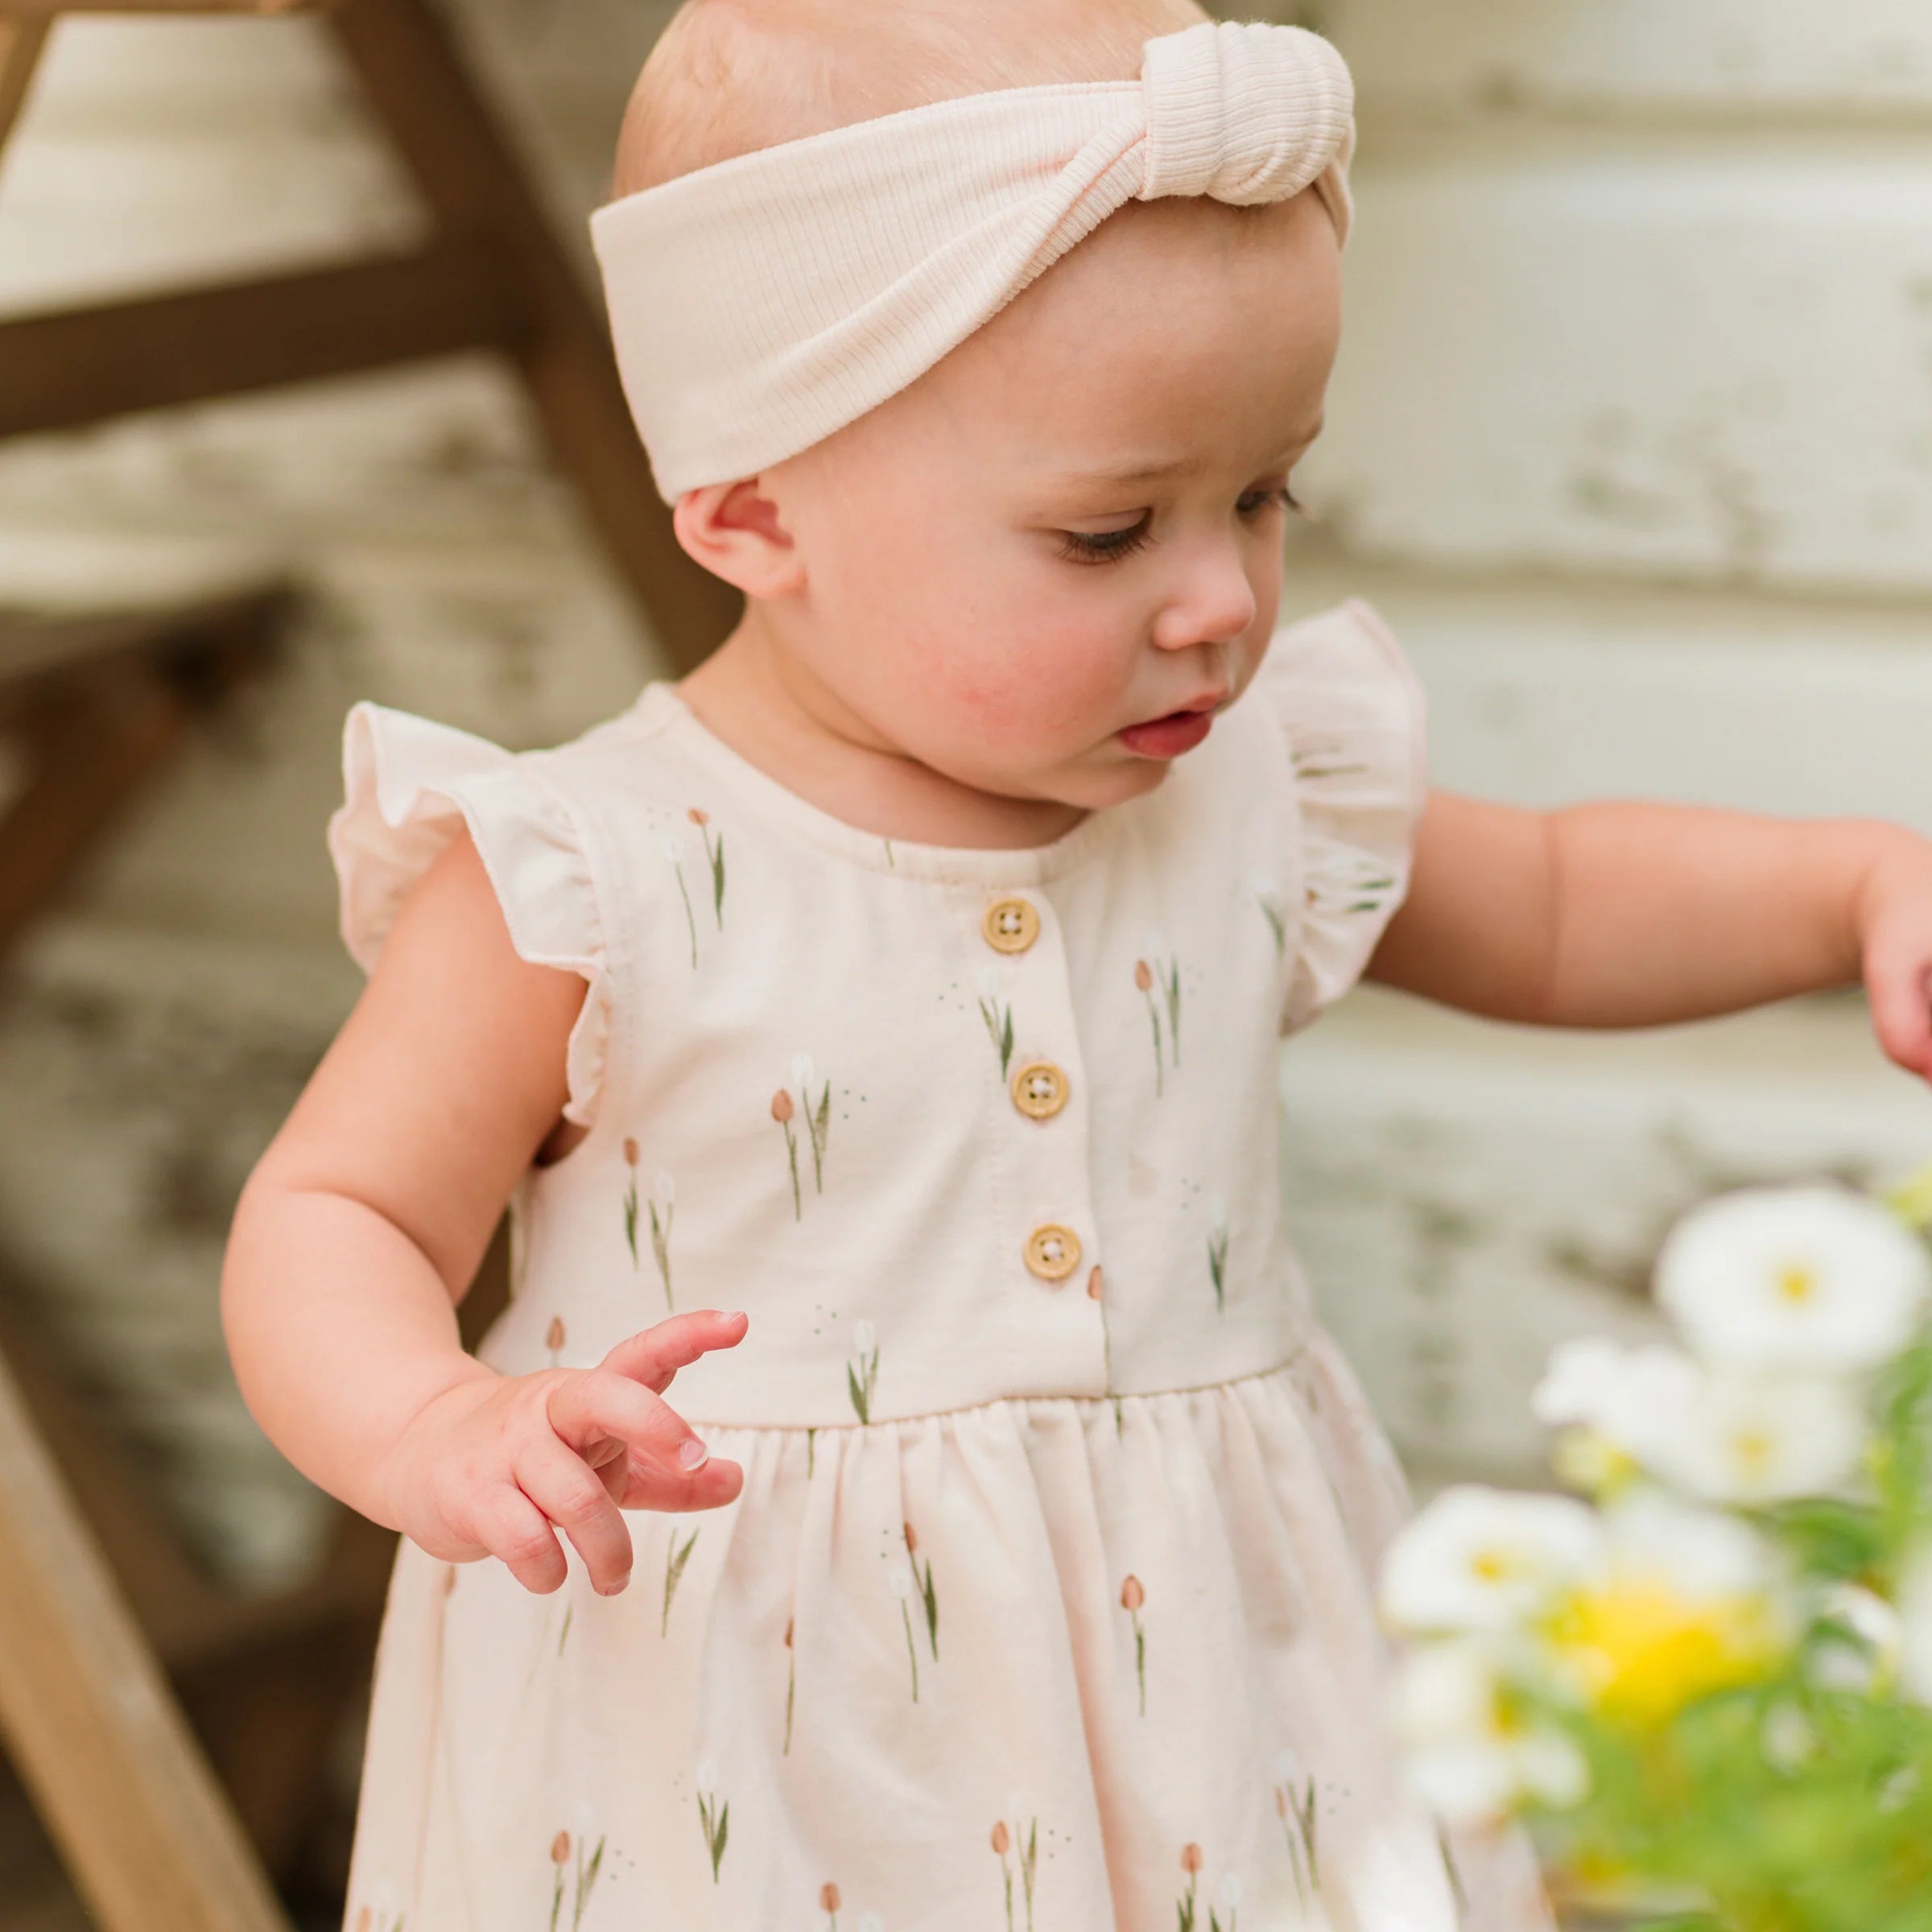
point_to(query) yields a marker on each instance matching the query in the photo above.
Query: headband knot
(1243, 112)
(761, 303)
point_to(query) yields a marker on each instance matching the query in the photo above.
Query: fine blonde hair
(727, 77)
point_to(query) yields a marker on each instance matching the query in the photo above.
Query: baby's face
(1073, 524)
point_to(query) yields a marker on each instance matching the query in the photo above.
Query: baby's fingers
(513, 1529)
(600, 1415)
(655, 1354)
(1902, 1012)
(562, 1486)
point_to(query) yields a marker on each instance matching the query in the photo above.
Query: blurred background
(1631, 442)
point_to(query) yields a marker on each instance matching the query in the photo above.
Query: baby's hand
(487, 1468)
(1895, 937)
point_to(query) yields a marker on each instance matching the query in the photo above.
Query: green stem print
(1133, 1596)
(1143, 978)
(1228, 1899)
(862, 1372)
(675, 1558)
(818, 1115)
(998, 1018)
(674, 850)
(712, 1814)
(1169, 977)
(1011, 1840)
(922, 1583)
(1451, 1871)
(1096, 1293)
(1217, 1253)
(630, 1199)
(782, 1111)
(714, 852)
(1324, 760)
(1184, 1908)
(901, 1588)
(1275, 913)
(1295, 1806)
(664, 1198)
(563, 1635)
(791, 1685)
(580, 1883)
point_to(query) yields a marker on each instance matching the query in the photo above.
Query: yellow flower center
(1642, 1650)
(1753, 1450)
(1797, 1282)
(1493, 1566)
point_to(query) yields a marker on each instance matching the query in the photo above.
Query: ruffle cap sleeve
(1352, 715)
(409, 784)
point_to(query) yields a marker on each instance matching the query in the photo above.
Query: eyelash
(1112, 546)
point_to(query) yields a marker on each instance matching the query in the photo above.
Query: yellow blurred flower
(1641, 1649)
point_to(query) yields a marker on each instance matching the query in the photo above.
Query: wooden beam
(63, 370)
(45, 9)
(100, 1744)
(21, 42)
(414, 76)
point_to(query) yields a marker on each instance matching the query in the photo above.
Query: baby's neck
(754, 698)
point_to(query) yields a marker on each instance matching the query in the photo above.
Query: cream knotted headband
(759, 304)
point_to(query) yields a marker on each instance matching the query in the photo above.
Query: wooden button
(1039, 1090)
(1011, 925)
(1053, 1252)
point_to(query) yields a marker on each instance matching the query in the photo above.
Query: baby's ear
(734, 530)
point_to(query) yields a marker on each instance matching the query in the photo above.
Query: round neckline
(661, 700)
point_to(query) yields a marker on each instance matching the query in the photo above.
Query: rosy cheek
(1035, 689)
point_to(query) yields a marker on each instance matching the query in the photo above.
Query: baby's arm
(1636, 915)
(361, 1227)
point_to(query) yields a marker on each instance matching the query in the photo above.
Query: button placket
(1045, 1151)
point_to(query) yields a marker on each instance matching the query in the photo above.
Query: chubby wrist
(1888, 858)
(467, 1381)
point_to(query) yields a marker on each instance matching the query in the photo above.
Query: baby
(905, 980)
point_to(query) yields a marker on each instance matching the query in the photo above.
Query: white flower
(897, 1582)
(664, 1187)
(1155, 942)
(863, 1336)
(1810, 1279)
(1869, 1652)
(1761, 1440)
(1722, 1435)
(870, 1921)
(583, 1823)
(1287, 1767)
(1477, 1558)
(989, 982)
(1699, 1553)
(706, 1776)
(1615, 1391)
(1217, 1215)
(1016, 1802)
(1466, 1756)
(804, 1073)
(674, 848)
(1228, 1891)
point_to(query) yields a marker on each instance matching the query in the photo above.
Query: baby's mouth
(1168, 737)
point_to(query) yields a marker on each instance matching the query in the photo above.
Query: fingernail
(691, 1452)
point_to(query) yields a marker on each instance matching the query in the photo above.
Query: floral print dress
(1047, 1605)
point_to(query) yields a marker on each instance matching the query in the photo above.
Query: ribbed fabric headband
(759, 304)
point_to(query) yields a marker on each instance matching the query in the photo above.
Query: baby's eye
(1104, 547)
(1109, 546)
